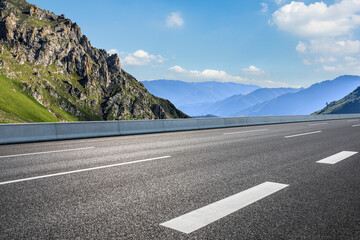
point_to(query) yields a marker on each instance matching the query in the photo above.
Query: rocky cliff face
(52, 61)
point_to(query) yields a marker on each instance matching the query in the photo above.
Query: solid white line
(337, 157)
(38, 153)
(258, 130)
(82, 170)
(316, 124)
(201, 217)
(357, 125)
(353, 120)
(302, 134)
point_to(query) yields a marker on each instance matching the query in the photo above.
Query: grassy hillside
(50, 72)
(18, 107)
(348, 104)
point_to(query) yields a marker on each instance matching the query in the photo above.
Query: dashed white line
(38, 153)
(302, 134)
(82, 170)
(201, 217)
(316, 124)
(357, 125)
(258, 130)
(337, 157)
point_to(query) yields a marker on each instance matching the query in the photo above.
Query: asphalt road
(259, 182)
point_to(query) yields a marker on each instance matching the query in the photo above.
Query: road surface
(282, 181)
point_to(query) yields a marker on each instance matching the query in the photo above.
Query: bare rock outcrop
(75, 77)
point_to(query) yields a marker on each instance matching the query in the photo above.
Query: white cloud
(177, 69)
(209, 74)
(252, 70)
(320, 60)
(349, 65)
(222, 76)
(141, 58)
(112, 51)
(216, 74)
(264, 7)
(116, 51)
(307, 62)
(333, 68)
(327, 32)
(279, 2)
(174, 20)
(352, 61)
(329, 46)
(301, 47)
(318, 19)
(325, 60)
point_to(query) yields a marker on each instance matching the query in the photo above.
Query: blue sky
(270, 43)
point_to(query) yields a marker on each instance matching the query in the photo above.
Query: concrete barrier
(299, 118)
(255, 120)
(318, 117)
(87, 129)
(271, 120)
(235, 122)
(205, 123)
(34, 132)
(27, 132)
(180, 124)
(141, 126)
(311, 118)
(281, 119)
(347, 116)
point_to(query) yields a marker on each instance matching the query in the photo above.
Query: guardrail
(35, 132)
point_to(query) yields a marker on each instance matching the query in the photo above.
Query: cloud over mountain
(325, 32)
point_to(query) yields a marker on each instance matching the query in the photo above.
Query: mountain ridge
(346, 105)
(306, 101)
(181, 93)
(46, 58)
(231, 105)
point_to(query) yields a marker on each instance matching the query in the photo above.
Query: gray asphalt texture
(130, 201)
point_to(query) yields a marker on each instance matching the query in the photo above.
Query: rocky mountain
(348, 104)
(49, 71)
(182, 93)
(231, 105)
(307, 100)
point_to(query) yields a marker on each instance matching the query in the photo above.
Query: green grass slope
(15, 97)
(348, 104)
(16, 107)
(50, 72)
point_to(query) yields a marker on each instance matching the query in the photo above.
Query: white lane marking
(82, 170)
(353, 120)
(302, 134)
(316, 124)
(201, 217)
(258, 130)
(337, 157)
(38, 153)
(357, 125)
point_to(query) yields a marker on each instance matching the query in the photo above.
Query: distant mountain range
(231, 105)
(307, 100)
(348, 104)
(183, 93)
(231, 99)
